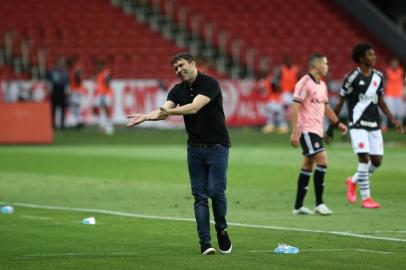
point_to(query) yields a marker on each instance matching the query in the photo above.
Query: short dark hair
(359, 51)
(315, 56)
(183, 55)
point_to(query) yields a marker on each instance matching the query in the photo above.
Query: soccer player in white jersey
(363, 90)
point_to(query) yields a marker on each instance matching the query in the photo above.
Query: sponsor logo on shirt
(373, 98)
(368, 124)
(315, 100)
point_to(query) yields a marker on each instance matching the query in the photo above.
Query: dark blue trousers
(208, 178)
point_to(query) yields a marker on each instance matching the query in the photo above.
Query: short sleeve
(347, 86)
(300, 92)
(381, 88)
(173, 95)
(210, 89)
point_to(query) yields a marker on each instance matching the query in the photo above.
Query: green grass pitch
(136, 185)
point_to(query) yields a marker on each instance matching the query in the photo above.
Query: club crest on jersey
(316, 145)
(375, 84)
(361, 82)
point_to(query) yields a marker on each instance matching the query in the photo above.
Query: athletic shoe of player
(351, 190)
(369, 203)
(302, 211)
(322, 210)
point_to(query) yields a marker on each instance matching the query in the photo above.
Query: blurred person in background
(103, 99)
(275, 111)
(59, 79)
(286, 77)
(395, 83)
(77, 90)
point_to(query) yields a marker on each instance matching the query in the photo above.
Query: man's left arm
(192, 108)
(382, 105)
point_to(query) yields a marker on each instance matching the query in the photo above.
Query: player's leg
(318, 178)
(281, 118)
(109, 115)
(303, 186)
(199, 184)
(270, 119)
(304, 175)
(363, 145)
(375, 160)
(217, 160)
(360, 145)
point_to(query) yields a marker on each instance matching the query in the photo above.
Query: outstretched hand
(135, 119)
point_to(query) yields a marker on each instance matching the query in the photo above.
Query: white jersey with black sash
(361, 93)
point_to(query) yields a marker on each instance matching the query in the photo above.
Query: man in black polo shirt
(201, 104)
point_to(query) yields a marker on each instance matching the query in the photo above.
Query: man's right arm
(156, 115)
(294, 138)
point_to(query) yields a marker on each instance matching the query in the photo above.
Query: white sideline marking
(124, 214)
(36, 217)
(331, 250)
(79, 254)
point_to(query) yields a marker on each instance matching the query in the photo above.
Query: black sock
(302, 186)
(319, 173)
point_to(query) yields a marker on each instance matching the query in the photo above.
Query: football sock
(318, 179)
(302, 186)
(363, 180)
(371, 168)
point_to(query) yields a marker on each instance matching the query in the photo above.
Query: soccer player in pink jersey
(308, 110)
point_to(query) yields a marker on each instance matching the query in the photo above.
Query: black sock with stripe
(318, 179)
(302, 186)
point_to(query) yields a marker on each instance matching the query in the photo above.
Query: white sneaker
(322, 210)
(302, 211)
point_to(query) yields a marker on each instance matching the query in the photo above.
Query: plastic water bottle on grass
(286, 249)
(8, 209)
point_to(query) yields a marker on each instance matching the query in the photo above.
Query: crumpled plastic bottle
(286, 249)
(8, 209)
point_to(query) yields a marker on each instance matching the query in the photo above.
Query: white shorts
(367, 141)
(287, 98)
(103, 101)
(395, 105)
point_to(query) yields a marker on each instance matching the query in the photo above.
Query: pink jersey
(313, 97)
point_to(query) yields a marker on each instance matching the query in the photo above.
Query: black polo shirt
(208, 125)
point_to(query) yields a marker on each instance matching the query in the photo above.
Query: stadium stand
(92, 29)
(95, 29)
(280, 27)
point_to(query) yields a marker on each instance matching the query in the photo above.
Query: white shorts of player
(76, 98)
(287, 98)
(103, 101)
(367, 141)
(396, 106)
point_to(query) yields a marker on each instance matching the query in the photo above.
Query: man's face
(369, 58)
(184, 69)
(322, 66)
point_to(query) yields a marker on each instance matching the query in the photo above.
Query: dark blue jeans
(208, 178)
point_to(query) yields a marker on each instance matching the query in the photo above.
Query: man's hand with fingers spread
(135, 119)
